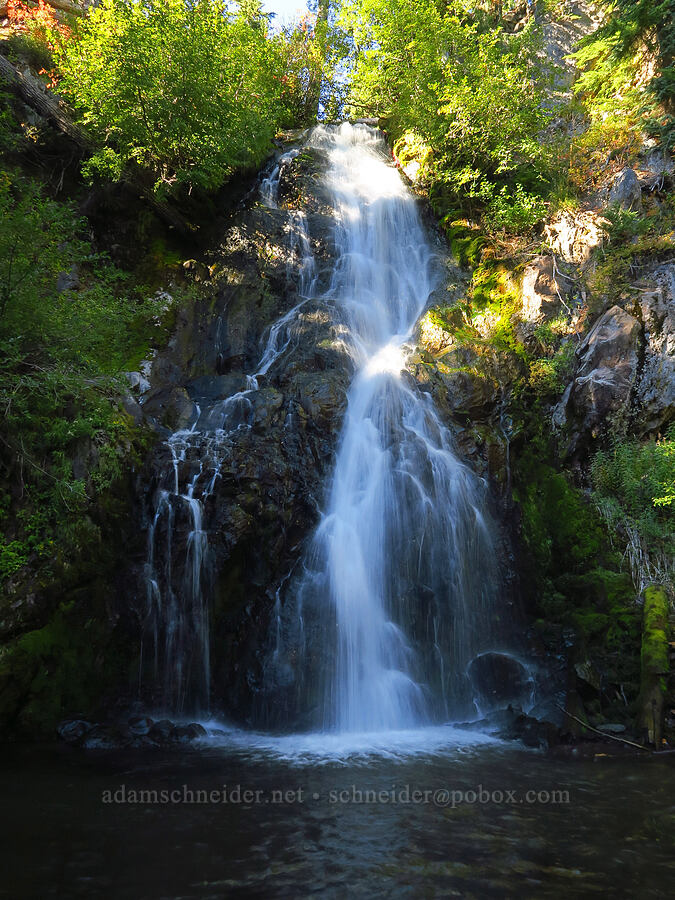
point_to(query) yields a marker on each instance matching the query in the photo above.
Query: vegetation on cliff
(505, 141)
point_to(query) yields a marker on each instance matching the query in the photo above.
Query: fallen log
(48, 106)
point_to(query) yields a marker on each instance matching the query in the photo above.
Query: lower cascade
(393, 616)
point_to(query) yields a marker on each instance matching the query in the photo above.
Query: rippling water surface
(399, 815)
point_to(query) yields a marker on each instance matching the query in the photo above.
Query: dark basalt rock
(139, 732)
(511, 724)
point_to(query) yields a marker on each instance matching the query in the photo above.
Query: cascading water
(392, 618)
(178, 578)
(399, 590)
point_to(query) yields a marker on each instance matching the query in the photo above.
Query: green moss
(466, 240)
(560, 528)
(60, 669)
(654, 654)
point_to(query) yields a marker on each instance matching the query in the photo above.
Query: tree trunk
(29, 90)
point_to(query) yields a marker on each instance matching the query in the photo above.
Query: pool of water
(443, 814)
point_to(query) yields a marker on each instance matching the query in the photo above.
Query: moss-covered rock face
(655, 664)
(67, 639)
(498, 360)
(62, 668)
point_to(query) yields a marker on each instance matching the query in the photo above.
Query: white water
(399, 590)
(177, 597)
(397, 595)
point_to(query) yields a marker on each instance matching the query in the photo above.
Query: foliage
(514, 211)
(34, 30)
(634, 485)
(633, 239)
(61, 348)
(611, 142)
(549, 375)
(469, 90)
(629, 66)
(188, 91)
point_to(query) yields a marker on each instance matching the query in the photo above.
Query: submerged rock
(512, 724)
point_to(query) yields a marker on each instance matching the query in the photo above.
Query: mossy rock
(60, 669)
(655, 664)
(654, 654)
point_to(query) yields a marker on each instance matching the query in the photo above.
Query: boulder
(655, 390)
(171, 407)
(605, 378)
(543, 291)
(73, 730)
(626, 191)
(574, 235)
(68, 281)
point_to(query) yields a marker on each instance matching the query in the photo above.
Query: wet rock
(140, 725)
(626, 191)
(462, 386)
(164, 372)
(499, 679)
(137, 382)
(171, 407)
(161, 731)
(267, 407)
(184, 734)
(512, 724)
(210, 388)
(106, 737)
(133, 408)
(72, 730)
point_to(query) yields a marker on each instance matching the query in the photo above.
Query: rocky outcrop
(575, 235)
(543, 291)
(625, 375)
(626, 191)
(266, 443)
(655, 388)
(605, 377)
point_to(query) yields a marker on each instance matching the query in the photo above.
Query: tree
(187, 91)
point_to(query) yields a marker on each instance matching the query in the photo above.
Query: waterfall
(392, 617)
(399, 590)
(178, 564)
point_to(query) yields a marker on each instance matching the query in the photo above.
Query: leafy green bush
(634, 487)
(62, 347)
(617, 77)
(472, 92)
(188, 91)
(514, 211)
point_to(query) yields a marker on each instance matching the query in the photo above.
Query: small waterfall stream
(177, 597)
